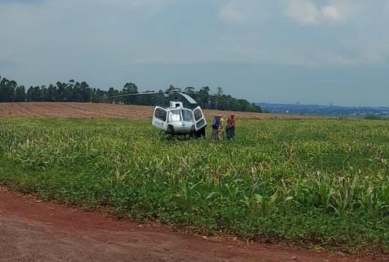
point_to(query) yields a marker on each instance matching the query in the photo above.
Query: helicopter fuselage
(177, 120)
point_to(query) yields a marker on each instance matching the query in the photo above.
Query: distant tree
(69, 90)
(204, 97)
(20, 94)
(61, 92)
(85, 91)
(172, 88)
(51, 94)
(130, 88)
(190, 90)
(75, 91)
(7, 90)
(217, 99)
(112, 92)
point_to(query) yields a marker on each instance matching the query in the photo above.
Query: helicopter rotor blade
(134, 94)
(187, 97)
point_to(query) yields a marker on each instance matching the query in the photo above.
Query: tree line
(74, 91)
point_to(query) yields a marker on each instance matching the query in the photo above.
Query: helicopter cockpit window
(187, 115)
(197, 114)
(174, 115)
(160, 114)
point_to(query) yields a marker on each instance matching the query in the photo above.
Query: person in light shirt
(220, 131)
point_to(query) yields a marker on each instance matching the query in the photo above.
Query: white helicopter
(177, 119)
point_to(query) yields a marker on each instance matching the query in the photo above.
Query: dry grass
(93, 110)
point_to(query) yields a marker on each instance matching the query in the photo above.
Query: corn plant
(323, 182)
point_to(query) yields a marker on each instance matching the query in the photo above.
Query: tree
(130, 88)
(69, 91)
(204, 97)
(218, 98)
(112, 92)
(172, 88)
(82, 92)
(85, 91)
(20, 94)
(7, 90)
(51, 94)
(61, 92)
(190, 90)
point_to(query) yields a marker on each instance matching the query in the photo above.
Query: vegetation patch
(323, 183)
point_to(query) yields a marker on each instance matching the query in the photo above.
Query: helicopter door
(159, 118)
(199, 118)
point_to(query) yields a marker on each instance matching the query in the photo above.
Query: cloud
(151, 6)
(246, 12)
(231, 13)
(302, 11)
(331, 13)
(306, 12)
(56, 37)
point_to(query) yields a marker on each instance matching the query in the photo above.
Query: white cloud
(57, 38)
(74, 37)
(330, 12)
(246, 11)
(303, 11)
(231, 13)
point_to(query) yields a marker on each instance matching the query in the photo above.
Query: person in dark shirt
(231, 127)
(215, 127)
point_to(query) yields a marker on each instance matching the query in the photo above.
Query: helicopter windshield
(187, 115)
(174, 115)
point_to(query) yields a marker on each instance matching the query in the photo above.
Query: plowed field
(94, 110)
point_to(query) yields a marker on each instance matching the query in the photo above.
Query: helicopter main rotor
(166, 94)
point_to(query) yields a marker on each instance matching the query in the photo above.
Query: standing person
(215, 126)
(228, 128)
(232, 127)
(220, 131)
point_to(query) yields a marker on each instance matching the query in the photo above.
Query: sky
(278, 51)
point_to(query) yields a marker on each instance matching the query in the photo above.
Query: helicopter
(176, 119)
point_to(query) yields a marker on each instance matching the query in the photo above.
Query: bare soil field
(95, 110)
(31, 230)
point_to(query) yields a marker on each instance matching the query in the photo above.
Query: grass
(311, 182)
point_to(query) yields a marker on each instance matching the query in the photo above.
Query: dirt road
(31, 230)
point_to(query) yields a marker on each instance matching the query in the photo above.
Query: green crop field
(323, 183)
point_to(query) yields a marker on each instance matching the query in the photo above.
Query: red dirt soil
(94, 110)
(31, 230)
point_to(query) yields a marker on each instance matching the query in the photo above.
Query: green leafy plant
(319, 182)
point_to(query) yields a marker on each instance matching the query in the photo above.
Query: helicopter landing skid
(176, 137)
